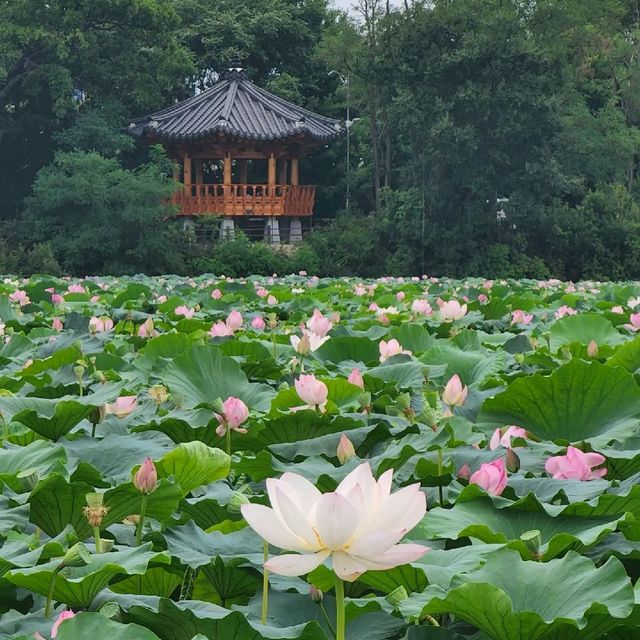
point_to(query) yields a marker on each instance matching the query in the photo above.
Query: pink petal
(296, 565)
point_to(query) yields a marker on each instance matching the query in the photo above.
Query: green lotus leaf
(583, 328)
(95, 625)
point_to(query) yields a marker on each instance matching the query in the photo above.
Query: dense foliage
(513, 406)
(489, 136)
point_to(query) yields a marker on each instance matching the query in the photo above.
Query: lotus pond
(244, 459)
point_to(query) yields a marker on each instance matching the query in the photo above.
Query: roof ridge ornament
(235, 70)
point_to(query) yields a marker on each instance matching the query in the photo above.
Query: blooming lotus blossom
(563, 311)
(455, 393)
(145, 479)
(65, 615)
(161, 299)
(272, 300)
(452, 310)
(355, 377)
(319, 324)
(391, 348)
(57, 299)
(76, 288)
(147, 329)
(94, 298)
(258, 323)
(634, 322)
(216, 294)
(632, 303)
(483, 299)
(421, 306)
(20, 297)
(500, 439)
(488, 285)
(575, 465)
(234, 413)
(261, 292)
(373, 306)
(185, 311)
(346, 450)
(122, 407)
(309, 342)
(617, 309)
(220, 329)
(312, 391)
(56, 324)
(234, 320)
(492, 477)
(359, 290)
(520, 317)
(358, 526)
(400, 296)
(100, 325)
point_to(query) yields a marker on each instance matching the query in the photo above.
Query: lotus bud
(455, 393)
(79, 370)
(272, 321)
(364, 399)
(95, 510)
(316, 594)
(355, 377)
(237, 500)
(513, 461)
(77, 556)
(404, 401)
(346, 450)
(518, 357)
(397, 596)
(145, 479)
(533, 540)
(592, 349)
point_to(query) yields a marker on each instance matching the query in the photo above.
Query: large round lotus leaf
(95, 625)
(579, 401)
(583, 328)
(512, 599)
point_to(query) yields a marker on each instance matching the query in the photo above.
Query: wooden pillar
(272, 170)
(295, 176)
(199, 172)
(283, 172)
(187, 170)
(176, 171)
(227, 168)
(244, 166)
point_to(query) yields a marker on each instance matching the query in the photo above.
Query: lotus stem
(327, 620)
(143, 508)
(229, 441)
(93, 429)
(96, 533)
(440, 489)
(340, 614)
(187, 584)
(273, 342)
(52, 586)
(265, 586)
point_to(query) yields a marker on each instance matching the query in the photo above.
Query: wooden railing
(245, 200)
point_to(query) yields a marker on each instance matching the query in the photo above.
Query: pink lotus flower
(464, 473)
(346, 450)
(57, 324)
(272, 300)
(488, 285)
(319, 324)
(634, 322)
(452, 310)
(94, 298)
(483, 299)
(234, 320)
(220, 329)
(312, 391)
(145, 479)
(492, 477)
(374, 306)
(161, 299)
(100, 325)
(147, 329)
(520, 317)
(390, 349)
(258, 323)
(234, 413)
(309, 342)
(216, 294)
(65, 615)
(400, 296)
(563, 311)
(122, 407)
(504, 439)
(358, 525)
(261, 292)
(355, 377)
(575, 465)
(422, 307)
(76, 288)
(57, 299)
(592, 349)
(359, 290)
(455, 393)
(185, 311)
(20, 297)
(617, 309)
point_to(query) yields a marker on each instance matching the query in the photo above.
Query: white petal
(335, 520)
(346, 567)
(373, 543)
(395, 556)
(293, 565)
(360, 475)
(401, 510)
(306, 491)
(266, 523)
(295, 520)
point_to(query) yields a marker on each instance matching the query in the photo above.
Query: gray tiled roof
(239, 108)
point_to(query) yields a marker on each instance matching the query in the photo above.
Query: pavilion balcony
(245, 200)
